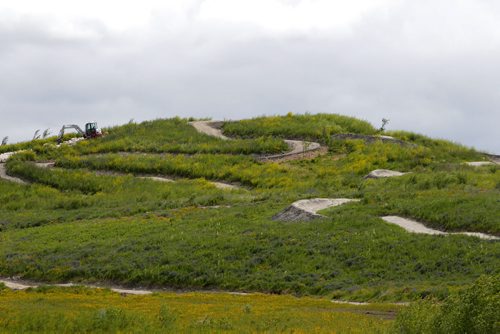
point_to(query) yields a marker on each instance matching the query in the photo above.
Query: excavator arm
(69, 126)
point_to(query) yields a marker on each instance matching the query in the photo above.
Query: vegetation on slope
(76, 195)
(121, 229)
(316, 127)
(37, 144)
(351, 254)
(448, 196)
(174, 135)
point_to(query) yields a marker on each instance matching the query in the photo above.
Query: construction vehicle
(91, 131)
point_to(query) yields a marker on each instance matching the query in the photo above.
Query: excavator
(91, 131)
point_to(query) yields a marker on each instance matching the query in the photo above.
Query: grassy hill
(92, 219)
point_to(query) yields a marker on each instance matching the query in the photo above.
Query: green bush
(472, 310)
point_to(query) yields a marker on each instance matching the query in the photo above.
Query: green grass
(74, 224)
(82, 310)
(351, 254)
(38, 144)
(66, 195)
(307, 127)
(244, 170)
(174, 135)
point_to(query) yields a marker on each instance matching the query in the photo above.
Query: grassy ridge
(173, 135)
(76, 194)
(37, 145)
(308, 127)
(215, 167)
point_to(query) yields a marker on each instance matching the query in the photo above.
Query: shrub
(473, 310)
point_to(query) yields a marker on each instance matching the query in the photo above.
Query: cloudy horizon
(432, 67)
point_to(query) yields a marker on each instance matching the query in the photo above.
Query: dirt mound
(381, 173)
(306, 209)
(71, 141)
(5, 156)
(479, 163)
(155, 178)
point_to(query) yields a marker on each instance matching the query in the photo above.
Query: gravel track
(416, 227)
(18, 284)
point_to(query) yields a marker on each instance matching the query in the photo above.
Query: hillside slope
(93, 218)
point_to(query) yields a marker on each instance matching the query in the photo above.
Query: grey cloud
(398, 65)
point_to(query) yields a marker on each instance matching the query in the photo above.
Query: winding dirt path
(296, 147)
(19, 284)
(207, 127)
(416, 227)
(219, 185)
(369, 309)
(23, 285)
(3, 175)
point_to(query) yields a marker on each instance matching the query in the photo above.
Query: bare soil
(306, 209)
(416, 227)
(381, 173)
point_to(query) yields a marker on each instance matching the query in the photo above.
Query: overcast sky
(430, 66)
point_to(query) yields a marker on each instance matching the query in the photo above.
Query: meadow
(83, 310)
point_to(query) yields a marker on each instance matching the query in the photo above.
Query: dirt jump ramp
(383, 173)
(306, 209)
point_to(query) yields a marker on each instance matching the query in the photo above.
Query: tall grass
(173, 135)
(81, 310)
(318, 127)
